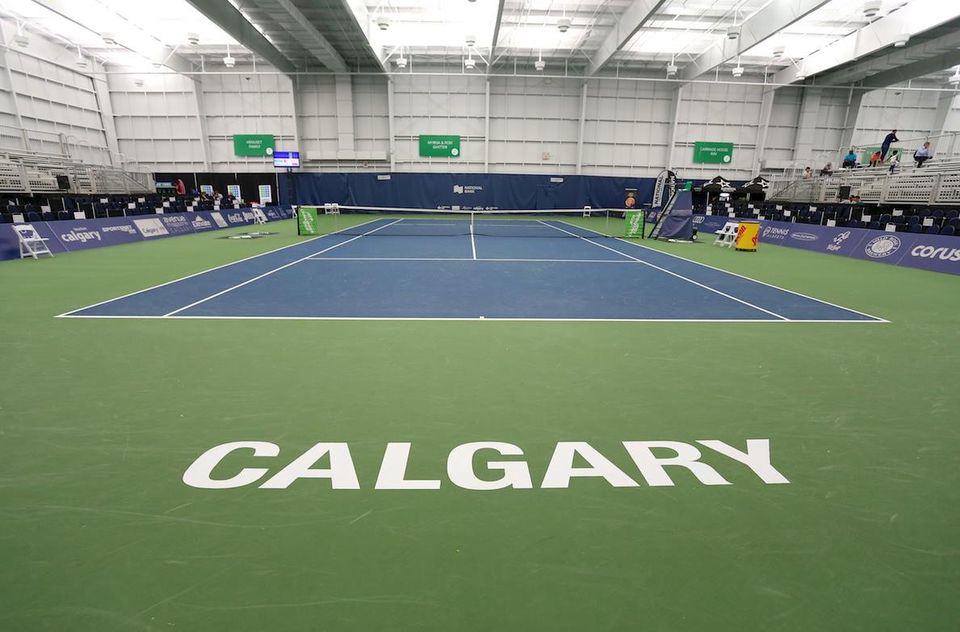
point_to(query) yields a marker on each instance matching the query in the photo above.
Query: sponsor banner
(151, 227)
(235, 218)
(69, 235)
(218, 220)
(10, 245)
(707, 223)
(933, 252)
(929, 252)
(634, 224)
(201, 221)
(80, 235)
(176, 224)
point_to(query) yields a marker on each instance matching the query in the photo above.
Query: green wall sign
(713, 153)
(258, 145)
(439, 146)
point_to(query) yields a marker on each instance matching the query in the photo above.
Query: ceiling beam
(916, 69)
(357, 10)
(496, 31)
(767, 22)
(227, 17)
(900, 62)
(317, 44)
(914, 18)
(636, 15)
(136, 42)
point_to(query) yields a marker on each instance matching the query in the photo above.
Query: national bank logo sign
(882, 247)
(461, 189)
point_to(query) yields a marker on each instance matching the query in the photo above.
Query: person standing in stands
(923, 154)
(887, 141)
(181, 187)
(850, 160)
(875, 159)
(807, 173)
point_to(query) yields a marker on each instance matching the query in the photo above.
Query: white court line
(482, 260)
(706, 265)
(269, 272)
(473, 242)
(679, 276)
(482, 319)
(190, 276)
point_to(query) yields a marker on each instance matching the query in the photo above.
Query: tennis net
(394, 221)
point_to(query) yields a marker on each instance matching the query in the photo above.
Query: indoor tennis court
(479, 315)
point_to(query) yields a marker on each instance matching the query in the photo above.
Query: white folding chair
(31, 243)
(727, 235)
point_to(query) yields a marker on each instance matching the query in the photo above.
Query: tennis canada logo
(650, 462)
(882, 247)
(775, 233)
(837, 242)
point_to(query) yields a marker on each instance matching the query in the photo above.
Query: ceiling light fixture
(871, 8)
(540, 64)
(564, 24)
(21, 39)
(779, 51)
(109, 39)
(901, 40)
(733, 33)
(738, 69)
(383, 23)
(471, 40)
(229, 61)
(193, 39)
(672, 67)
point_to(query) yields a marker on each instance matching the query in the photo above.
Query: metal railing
(33, 173)
(936, 183)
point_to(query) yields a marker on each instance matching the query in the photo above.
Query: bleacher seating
(905, 218)
(52, 209)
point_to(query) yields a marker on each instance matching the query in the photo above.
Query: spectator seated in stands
(875, 159)
(922, 155)
(827, 169)
(217, 196)
(807, 173)
(850, 160)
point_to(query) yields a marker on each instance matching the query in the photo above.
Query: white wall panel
(54, 100)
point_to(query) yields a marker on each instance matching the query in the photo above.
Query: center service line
(473, 243)
(269, 272)
(679, 276)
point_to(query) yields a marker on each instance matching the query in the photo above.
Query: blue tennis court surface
(396, 269)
